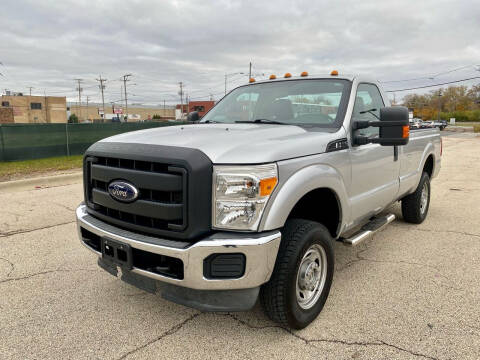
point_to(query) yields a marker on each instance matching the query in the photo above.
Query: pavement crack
(166, 333)
(64, 206)
(25, 231)
(333, 341)
(43, 273)
(12, 265)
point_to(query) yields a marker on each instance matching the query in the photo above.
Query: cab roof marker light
(334, 73)
(273, 77)
(251, 80)
(287, 75)
(304, 73)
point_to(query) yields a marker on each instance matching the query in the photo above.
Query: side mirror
(193, 116)
(394, 127)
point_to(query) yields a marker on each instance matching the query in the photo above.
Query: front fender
(296, 186)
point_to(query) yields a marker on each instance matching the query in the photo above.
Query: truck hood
(238, 143)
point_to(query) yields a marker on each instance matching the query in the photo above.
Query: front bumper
(260, 251)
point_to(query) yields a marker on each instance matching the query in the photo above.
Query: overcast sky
(47, 44)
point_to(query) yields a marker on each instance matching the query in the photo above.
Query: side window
(368, 98)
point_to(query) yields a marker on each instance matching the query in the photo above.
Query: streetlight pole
(226, 77)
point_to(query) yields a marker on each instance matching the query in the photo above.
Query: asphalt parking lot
(411, 292)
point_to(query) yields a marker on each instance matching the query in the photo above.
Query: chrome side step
(369, 229)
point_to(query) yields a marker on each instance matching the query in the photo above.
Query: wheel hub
(311, 276)
(424, 198)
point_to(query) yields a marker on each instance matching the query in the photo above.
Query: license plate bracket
(117, 253)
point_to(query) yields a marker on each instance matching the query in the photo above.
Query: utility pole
(181, 98)
(439, 103)
(164, 111)
(250, 72)
(46, 107)
(125, 79)
(79, 88)
(31, 87)
(87, 107)
(102, 87)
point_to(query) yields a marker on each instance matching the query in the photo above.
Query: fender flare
(300, 183)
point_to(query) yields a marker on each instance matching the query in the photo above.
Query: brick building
(34, 109)
(201, 106)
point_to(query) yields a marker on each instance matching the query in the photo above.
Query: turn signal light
(287, 75)
(304, 73)
(406, 131)
(273, 77)
(267, 186)
(334, 73)
(252, 80)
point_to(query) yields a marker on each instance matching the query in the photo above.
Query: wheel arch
(314, 193)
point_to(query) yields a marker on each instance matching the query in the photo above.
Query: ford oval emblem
(122, 191)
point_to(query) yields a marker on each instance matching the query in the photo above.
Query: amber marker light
(287, 75)
(406, 131)
(334, 73)
(304, 73)
(267, 186)
(252, 80)
(273, 77)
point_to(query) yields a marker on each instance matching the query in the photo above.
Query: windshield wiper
(210, 122)
(261, 121)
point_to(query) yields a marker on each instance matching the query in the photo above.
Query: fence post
(66, 134)
(2, 153)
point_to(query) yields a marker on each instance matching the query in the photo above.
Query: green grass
(21, 169)
(476, 128)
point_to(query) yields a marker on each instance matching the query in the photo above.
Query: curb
(41, 182)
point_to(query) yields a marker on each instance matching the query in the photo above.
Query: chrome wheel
(424, 198)
(311, 276)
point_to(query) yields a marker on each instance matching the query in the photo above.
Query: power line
(429, 77)
(427, 86)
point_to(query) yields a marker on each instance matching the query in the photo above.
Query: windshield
(296, 102)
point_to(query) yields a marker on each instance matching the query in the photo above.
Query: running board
(369, 229)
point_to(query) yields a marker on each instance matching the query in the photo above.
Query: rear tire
(303, 273)
(415, 206)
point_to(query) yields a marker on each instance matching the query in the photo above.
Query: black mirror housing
(394, 126)
(193, 116)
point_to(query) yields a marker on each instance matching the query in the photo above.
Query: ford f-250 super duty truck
(247, 202)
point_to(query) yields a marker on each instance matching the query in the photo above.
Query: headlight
(240, 194)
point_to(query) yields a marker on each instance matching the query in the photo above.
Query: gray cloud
(48, 44)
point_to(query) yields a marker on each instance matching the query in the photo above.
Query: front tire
(415, 206)
(303, 273)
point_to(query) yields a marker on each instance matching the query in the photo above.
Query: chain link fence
(36, 141)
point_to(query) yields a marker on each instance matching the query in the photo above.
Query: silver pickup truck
(247, 202)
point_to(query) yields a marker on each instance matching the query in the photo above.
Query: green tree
(73, 119)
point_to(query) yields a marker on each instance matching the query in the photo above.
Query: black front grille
(174, 198)
(159, 205)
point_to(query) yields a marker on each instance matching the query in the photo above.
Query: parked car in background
(441, 124)
(415, 123)
(427, 124)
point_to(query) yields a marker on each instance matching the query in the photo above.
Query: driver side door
(375, 171)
